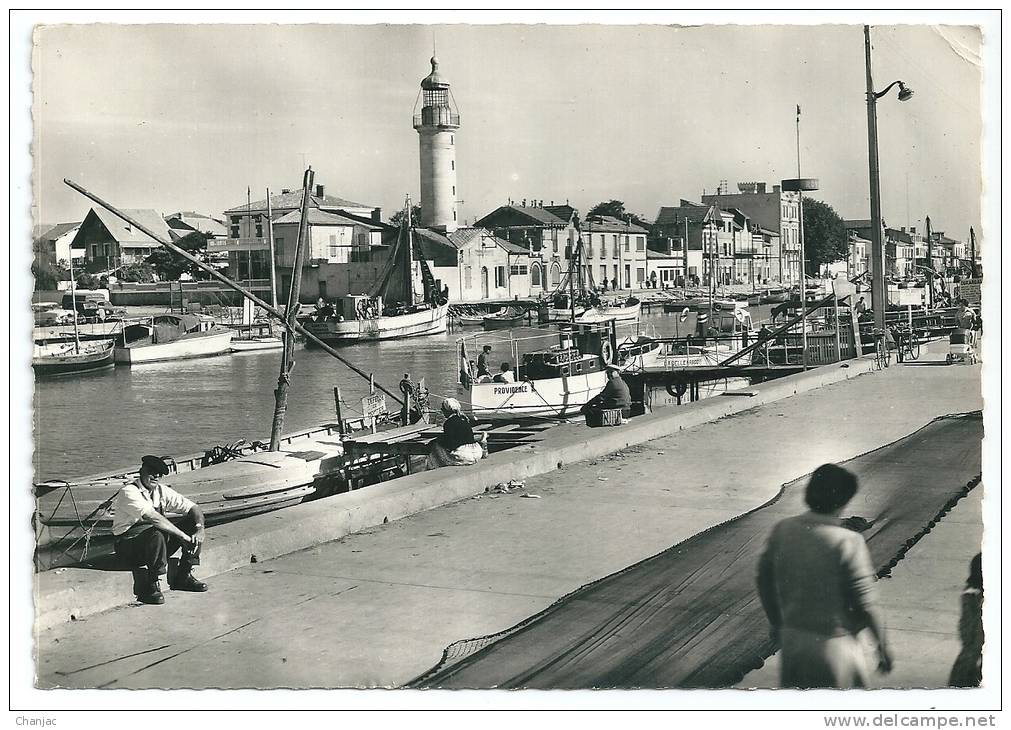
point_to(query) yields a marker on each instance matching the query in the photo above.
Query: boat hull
(203, 344)
(557, 397)
(415, 324)
(595, 315)
(258, 344)
(53, 360)
(501, 323)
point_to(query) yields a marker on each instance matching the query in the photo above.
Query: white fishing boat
(552, 381)
(679, 354)
(620, 312)
(357, 318)
(172, 337)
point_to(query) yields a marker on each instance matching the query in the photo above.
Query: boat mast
(409, 268)
(290, 312)
(270, 235)
(73, 299)
(572, 283)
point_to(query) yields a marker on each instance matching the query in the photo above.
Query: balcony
(437, 116)
(226, 245)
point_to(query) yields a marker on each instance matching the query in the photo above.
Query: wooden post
(287, 358)
(372, 391)
(838, 342)
(337, 406)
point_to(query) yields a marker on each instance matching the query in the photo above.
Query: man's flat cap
(155, 465)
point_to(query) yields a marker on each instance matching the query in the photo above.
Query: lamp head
(905, 93)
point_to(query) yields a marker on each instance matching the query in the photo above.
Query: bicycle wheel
(914, 348)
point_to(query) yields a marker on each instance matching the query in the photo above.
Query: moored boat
(505, 318)
(172, 337)
(627, 311)
(68, 358)
(554, 381)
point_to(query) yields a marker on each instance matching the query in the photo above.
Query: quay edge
(75, 593)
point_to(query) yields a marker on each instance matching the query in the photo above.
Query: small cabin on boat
(168, 328)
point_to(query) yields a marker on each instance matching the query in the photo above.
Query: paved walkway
(377, 608)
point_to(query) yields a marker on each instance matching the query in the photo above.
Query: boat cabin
(580, 350)
(358, 306)
(168, 327)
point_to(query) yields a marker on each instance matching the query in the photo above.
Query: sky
(185, 117)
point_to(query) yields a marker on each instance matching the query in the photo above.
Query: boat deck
(416, 440)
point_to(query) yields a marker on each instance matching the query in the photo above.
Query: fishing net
(690, 616)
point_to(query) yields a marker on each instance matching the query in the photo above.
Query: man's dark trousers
(153, 548)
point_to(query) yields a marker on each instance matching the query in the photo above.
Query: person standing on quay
(968, 668)
(816, 584)
(146, 538)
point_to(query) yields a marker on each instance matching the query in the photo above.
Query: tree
(825, 237)
(47, 275)
(616, 209)
(141, 271)
(88, 281)
(170, 265)
(397, 219)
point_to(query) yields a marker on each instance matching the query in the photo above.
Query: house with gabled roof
(110, 242)
(52, 245)
(485, 267)
(547, 232)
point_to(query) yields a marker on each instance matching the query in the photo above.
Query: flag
(798, 111)
(466, 377)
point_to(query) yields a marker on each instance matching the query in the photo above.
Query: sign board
(373, 405)
(970, 289)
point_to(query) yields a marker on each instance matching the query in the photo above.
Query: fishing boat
(68, 358)
(255, 337)
(620, 311)
(172, 337)
(553, 381)
(504, 319)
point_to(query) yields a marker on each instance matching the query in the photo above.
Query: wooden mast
(270, 236)
(73, 299)
(290, 312)
(409, 265)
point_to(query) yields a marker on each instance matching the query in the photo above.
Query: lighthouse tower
(437, 123)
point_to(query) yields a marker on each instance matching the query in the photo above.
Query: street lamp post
(879, 292)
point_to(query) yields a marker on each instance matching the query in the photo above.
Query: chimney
(775, 188)
(319, 191)
(524, 203)
(912, 229)
(760, 187)
(377, 214)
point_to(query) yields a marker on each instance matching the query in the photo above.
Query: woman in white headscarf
(457, 446)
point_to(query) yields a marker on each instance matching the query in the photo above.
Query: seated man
(457, 446)
(146, 538)
(505, 374)
(614, 395)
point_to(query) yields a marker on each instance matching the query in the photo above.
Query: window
(259, 226)
(454, 215)
(333, 246)
(616, 272)
(603, 273)
(468, 280)
(500, 276)
(234, 232)
(278, 246)
(640, 275)
(556, 273)
(626, 244)
(517, 270)
(640, 243)
(628, 275)
(603, 246)
(535, 275)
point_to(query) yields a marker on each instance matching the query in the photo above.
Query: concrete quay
(378, 607)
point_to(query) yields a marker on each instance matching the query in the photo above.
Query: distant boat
(627, 311)
(172, 337)
(255, 337)
(68, 358)
(505, 318)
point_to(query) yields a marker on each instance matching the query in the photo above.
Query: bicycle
(882, 355)
(910, 344)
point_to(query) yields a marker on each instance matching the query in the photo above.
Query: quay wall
(73, 593)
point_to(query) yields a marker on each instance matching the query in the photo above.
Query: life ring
(606, 353)
(684, 314)
(678, 388)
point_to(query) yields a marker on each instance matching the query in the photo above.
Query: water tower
(437, 123)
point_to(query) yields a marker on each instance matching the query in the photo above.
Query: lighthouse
(437, 124)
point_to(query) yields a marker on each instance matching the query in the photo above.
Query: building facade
(777, 211)
(615, 251)
(110, 242)
(485, 267)
(547, 232)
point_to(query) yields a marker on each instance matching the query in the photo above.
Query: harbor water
(105, 421)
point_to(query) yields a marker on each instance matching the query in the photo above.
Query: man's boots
(184, 581)
(140, 581)
(152, 593)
